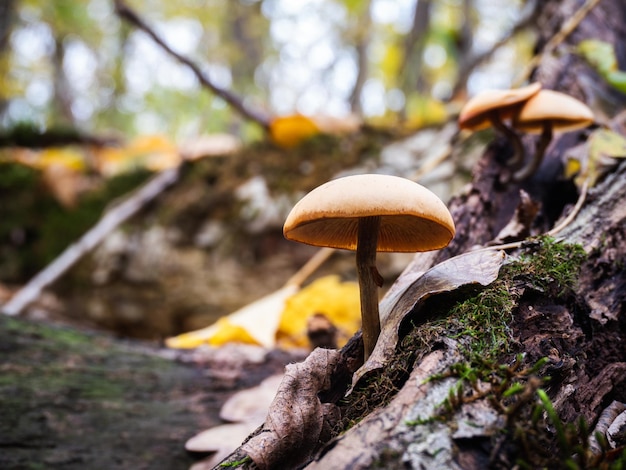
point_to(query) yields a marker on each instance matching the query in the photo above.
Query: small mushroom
(544, 113)
(492, 108)
(366, 214)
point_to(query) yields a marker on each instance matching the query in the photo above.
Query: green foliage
(601, 55)
(480, 323)
(552, 267)
(543, 440)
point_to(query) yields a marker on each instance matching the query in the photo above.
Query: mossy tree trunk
(529, 384)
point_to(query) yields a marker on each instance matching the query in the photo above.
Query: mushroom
(491, 108)
(370, 213)
(544, 113)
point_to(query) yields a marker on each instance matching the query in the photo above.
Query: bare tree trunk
(362, 46)
(414, 49)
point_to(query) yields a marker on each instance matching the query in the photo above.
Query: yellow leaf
(598, 53)
(338, 301)
(155, 152)
(61, 156)
(572, 167)
(259, 320)
(607, 143)
(227, 332)
(424, 111)
(391, 62)
(290, 131)
(604, 147)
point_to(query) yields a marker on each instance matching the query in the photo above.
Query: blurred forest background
(91, 105)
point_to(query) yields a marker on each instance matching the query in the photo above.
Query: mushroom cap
(475, 114)
(412, 217)
(563, 111)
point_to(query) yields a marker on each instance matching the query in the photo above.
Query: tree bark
(575, 338)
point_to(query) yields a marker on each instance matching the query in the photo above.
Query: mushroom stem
(368, 281)
(518, 148)
(540, 150)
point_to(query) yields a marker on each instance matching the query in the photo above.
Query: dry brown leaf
(480, 267)
(296, 418)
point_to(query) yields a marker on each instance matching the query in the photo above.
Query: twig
(468, 67)
(566, 29)
(310, 266)
(125, 12)
(552, 232)
(109, 222)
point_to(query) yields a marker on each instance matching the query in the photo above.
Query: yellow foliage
(64, 157)
(154, 152)
(424, 111)
(290, 131)
(391, 62)
(339, 301)
(221, 332)
(229, 333)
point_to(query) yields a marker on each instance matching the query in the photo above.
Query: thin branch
(567, 28)
(470, 64)
(126, 13)
(109, 222)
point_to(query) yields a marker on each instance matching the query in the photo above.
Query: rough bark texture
(580, 333)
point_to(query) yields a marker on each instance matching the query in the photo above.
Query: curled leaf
(601, 56)
(296, 419)
(480, 267)
(596, 157)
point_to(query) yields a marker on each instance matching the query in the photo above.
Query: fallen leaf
(226, 437)
(253, 403)
(296, 417)
(601, 56)
(290, 131)
(338, 301)
(592, 160)
(256, 322)
(480, 267)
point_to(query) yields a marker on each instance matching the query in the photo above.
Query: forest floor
(79, 399)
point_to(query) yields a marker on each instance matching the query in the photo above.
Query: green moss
(552, 267)
(480, 323)
(236, 463)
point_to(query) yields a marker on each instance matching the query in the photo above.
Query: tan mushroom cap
(475, 114)
(563, 111)
(412, 217)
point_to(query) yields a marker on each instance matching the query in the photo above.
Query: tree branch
(469, 65)
(126, 13)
